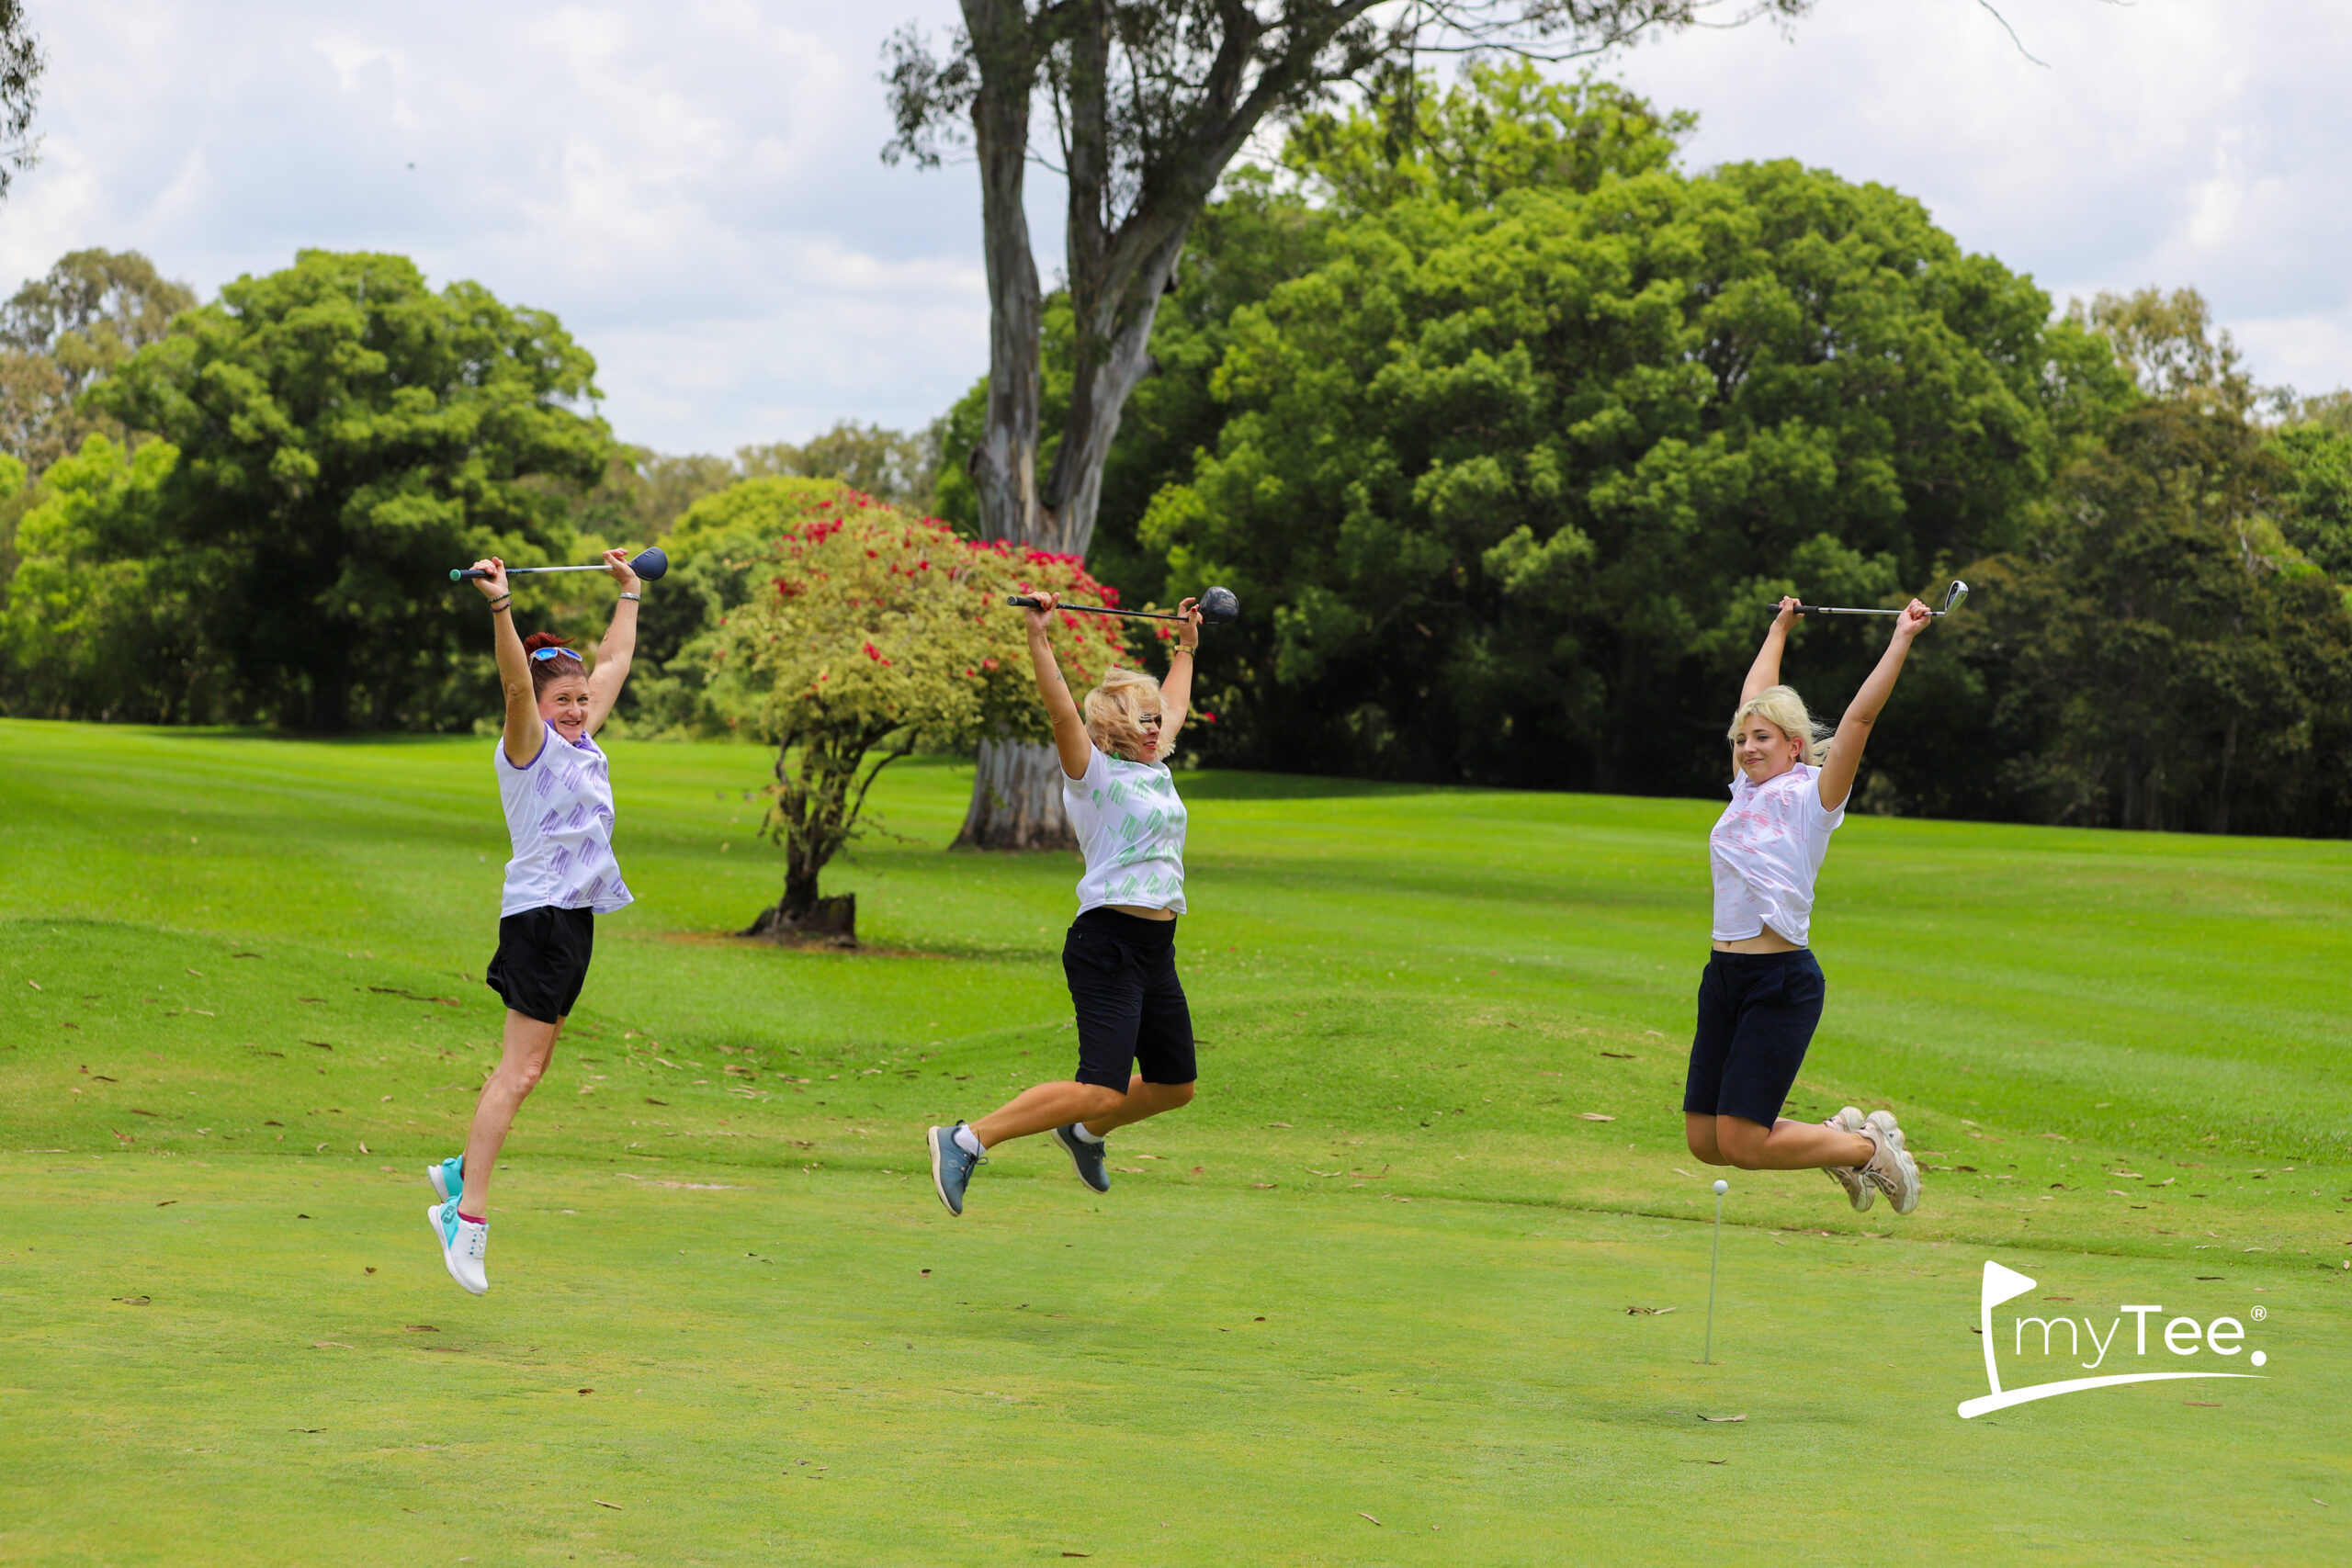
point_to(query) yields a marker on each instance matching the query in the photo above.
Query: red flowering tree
(879, 633)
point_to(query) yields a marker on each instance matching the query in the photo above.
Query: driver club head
(1218, 605)
(1953, 597)
(651, 563)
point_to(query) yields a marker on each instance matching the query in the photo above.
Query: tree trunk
(1004, 465)
(2221, 795)
(1016, 800)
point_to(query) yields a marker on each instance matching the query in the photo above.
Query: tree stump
(831, 922)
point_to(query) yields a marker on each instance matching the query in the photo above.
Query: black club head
(650, 564)
(1218, 606)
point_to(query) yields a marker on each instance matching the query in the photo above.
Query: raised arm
(1854, 729)
(620, 642)
(1070, 739)
(1765, 671)
(1176, 687)
(526, 731)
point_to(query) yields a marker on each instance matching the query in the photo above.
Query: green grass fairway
(1420, 1277)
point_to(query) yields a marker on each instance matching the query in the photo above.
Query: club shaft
(1027, 604)
(471, 572)
(1841, 610)
(1713, 1255)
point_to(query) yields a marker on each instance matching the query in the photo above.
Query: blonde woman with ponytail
(1135, 1029)
(1760, 997)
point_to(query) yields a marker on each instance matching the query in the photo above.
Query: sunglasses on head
(546, 653)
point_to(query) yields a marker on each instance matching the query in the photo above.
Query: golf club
(1217, 606)
(1707, 1355)
(1953, 598)
(649, 565)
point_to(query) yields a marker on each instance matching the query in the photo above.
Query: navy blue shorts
(1131, 1010)
(1757, 1015)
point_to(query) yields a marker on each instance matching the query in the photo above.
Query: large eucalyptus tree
(1150, 102)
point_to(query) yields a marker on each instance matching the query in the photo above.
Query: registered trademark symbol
(2260, 1313)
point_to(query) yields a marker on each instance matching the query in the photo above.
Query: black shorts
(1131, 1010)
(1757, 1014)
(542, 960)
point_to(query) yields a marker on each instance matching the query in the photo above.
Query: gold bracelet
(1179, 649)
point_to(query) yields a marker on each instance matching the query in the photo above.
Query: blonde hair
(1110, 715)
(1781, 708)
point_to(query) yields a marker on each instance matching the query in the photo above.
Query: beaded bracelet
(501, 603)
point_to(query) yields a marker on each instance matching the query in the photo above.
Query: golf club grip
(1022, 602)
(465, 574)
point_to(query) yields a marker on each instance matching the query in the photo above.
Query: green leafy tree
(716, 549)
(869, 633)
(345, 436)
(100, 621)
(21, 64)
(2163, 657)
(61, 333)
(1508, 479)
(2315, 494)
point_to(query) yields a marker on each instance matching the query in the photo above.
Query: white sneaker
(1892, 1168)
(463, 1245)
(1859, 1193)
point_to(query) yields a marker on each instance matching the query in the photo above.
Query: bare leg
(527, 1048)
(1047, 1106)
(1142, 1099)
(1784, 1145)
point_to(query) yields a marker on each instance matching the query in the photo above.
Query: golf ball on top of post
(1722, 1187)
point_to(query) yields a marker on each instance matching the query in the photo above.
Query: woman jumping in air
(558, 792)
(1120, 955)
(1762, 994)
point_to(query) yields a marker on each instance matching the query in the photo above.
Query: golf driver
(1952, 597)
(649, 565)
(1217, 606)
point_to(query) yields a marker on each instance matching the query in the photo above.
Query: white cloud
(694, 187)
(2167, 142)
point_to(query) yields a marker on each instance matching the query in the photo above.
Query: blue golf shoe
(448, 1178)
(951, 1168)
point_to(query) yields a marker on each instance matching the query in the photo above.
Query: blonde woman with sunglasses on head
(1761, 995)
(1134, 1030)
(557, 790)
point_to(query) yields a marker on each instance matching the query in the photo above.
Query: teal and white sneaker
(1859, 1193)
(1086, 1156)
(448, 1177)
(1892, 1168)
(951, 1168)
(463, 1245)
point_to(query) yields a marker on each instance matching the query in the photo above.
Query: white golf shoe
(463, 1247)
(1891, 1169)
(1859, 1193)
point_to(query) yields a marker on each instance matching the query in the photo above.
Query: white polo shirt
(1765, 852)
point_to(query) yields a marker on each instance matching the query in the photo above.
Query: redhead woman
(1135, 1032)
(1761, 995)
(558, 792)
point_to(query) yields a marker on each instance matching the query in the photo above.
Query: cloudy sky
(694, 187)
